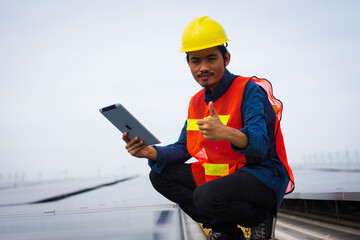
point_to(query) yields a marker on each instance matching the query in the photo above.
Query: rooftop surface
(326, 183)
(129, 209)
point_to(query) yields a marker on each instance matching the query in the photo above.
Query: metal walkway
(290, 227)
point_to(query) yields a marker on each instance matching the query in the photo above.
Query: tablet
(123, 120)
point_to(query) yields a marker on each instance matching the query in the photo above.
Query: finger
(133, 141)
(135, 151)
(204, 134)
(212, 109)
(135, 148)
(200, 122)
(134, 144)
(202, 127)
(125, 137)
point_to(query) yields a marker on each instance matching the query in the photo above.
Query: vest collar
(223, 86)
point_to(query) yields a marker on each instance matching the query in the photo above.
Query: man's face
(208, 66)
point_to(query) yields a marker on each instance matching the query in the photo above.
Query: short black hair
(222, 48)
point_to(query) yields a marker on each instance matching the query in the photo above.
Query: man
(232, 129)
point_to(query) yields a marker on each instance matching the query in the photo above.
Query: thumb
(212, 109)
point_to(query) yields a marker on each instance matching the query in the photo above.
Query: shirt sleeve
(171, 154)
(254, 122)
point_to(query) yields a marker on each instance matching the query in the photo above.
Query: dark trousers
(221, 204)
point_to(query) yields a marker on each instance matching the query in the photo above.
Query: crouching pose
(233, 131)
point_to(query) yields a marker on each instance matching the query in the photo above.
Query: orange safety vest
(216, 158)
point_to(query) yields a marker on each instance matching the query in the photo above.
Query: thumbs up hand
(211, 128)
(212, 110)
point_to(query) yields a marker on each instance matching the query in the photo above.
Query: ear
(227, 58)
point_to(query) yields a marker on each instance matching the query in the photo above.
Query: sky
(61, 61)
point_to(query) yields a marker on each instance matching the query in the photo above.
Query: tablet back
(123, 120)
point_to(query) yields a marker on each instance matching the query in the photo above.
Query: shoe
(265, 230)
(237, 235)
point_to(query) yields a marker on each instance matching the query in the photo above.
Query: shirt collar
(223, 86)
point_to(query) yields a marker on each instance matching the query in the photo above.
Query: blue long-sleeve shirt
(258, 125)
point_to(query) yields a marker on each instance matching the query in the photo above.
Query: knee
(207, 200)
(159, 182)
(155, 179)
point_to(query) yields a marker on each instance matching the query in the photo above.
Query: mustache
(207, 73)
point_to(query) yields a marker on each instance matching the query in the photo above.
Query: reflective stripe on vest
(212, 169)
(193, 126)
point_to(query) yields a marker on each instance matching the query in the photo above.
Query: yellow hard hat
(202, 33)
